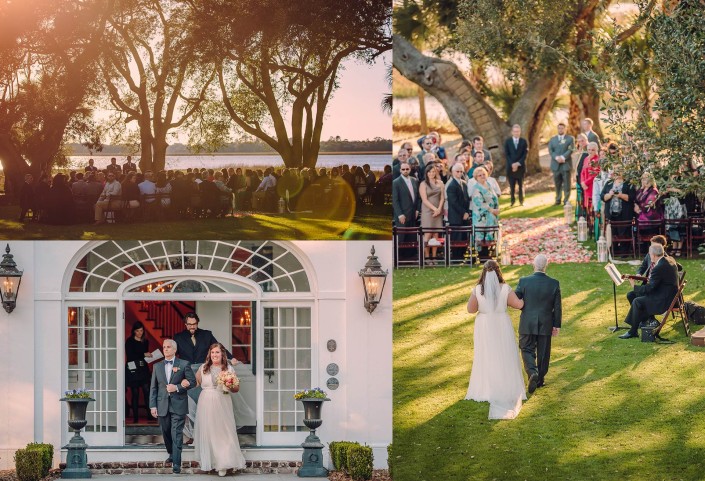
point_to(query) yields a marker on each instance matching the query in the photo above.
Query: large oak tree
(48, 52)
(278, 62)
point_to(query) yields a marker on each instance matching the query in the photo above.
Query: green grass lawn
(535, 205)
(611, 408)
(258, 226)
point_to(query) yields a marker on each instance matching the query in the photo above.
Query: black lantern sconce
(373, 280)
(11, 278)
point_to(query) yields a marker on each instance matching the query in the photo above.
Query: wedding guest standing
(484, 205)
(432, 194)
(560, 148)
(137, 373)
(591, 169)
(647, 205)
(516, 149)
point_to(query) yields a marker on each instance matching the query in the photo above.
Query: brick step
(188, 467)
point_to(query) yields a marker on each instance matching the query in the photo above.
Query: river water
(182, 162)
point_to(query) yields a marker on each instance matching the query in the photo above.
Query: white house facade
(291, 311)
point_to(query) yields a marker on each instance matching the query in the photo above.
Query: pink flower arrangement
(227, 381)
(546, 235)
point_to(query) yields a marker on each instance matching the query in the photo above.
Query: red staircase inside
(161, 319)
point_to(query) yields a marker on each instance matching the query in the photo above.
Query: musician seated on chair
(656, 295)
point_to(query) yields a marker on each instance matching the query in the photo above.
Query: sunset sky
(354, 112)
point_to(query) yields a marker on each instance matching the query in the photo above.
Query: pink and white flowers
(227, 381)
(546, 235)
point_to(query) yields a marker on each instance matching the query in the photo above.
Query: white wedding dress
(215, 436)
(496, 370)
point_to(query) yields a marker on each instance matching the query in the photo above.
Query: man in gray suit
(540, 320)
(586, 125)
(168, 401)
(560, 148)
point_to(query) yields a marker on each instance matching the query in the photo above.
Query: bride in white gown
(496, 370)
(215, 436)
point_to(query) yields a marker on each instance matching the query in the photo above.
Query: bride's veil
(491, 288)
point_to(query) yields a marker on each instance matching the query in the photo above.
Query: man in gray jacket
(168, 400)
(559, 148)
(540, 320)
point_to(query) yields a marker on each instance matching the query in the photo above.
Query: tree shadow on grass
(611, 409)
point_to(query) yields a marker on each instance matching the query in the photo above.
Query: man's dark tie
(169, 362)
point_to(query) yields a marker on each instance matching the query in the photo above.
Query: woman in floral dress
(484, 205)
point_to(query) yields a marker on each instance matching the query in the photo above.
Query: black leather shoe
(169, 460)
(540, 384)
(533, 383)
(628, 335)
(177, 471)
(558, 202)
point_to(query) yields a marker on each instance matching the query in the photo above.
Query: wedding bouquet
(227, 381)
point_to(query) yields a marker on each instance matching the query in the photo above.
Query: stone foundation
(192, 467)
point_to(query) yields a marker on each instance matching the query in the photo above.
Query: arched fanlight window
(269, 264)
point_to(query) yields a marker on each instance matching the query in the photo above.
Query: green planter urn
(312, 466)
(76, 460)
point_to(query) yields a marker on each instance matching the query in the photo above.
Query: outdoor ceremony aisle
(548, 235)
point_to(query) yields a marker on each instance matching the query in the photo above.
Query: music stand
(617, 280)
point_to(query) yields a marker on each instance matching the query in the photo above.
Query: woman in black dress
(136, 349)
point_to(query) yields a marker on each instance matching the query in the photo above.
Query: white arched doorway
(259, 299)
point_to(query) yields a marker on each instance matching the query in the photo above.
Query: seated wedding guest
(383, 185)
(591, 169)
(269, 182)
(148, 189)
(94, 188)
(72, 178)
(181, 191)
(162, 188)
(432, 193)
(27, 196)
(484, 205)
(130, 191)
(60, 210)
(370, 177)
(41, 197)
(210, 197)
(647, 203)
(226, 194)
(656, 296)
(109, 198)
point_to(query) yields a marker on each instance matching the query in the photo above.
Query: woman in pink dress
(591, 169)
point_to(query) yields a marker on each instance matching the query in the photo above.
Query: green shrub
(389, 460)
(360, 462)
(47, 451)
(339, 454)
(28, 464)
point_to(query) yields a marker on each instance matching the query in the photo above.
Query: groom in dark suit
(168, 400)
(540, 320)
(516, 148)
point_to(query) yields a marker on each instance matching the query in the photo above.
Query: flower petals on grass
(546, 235)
